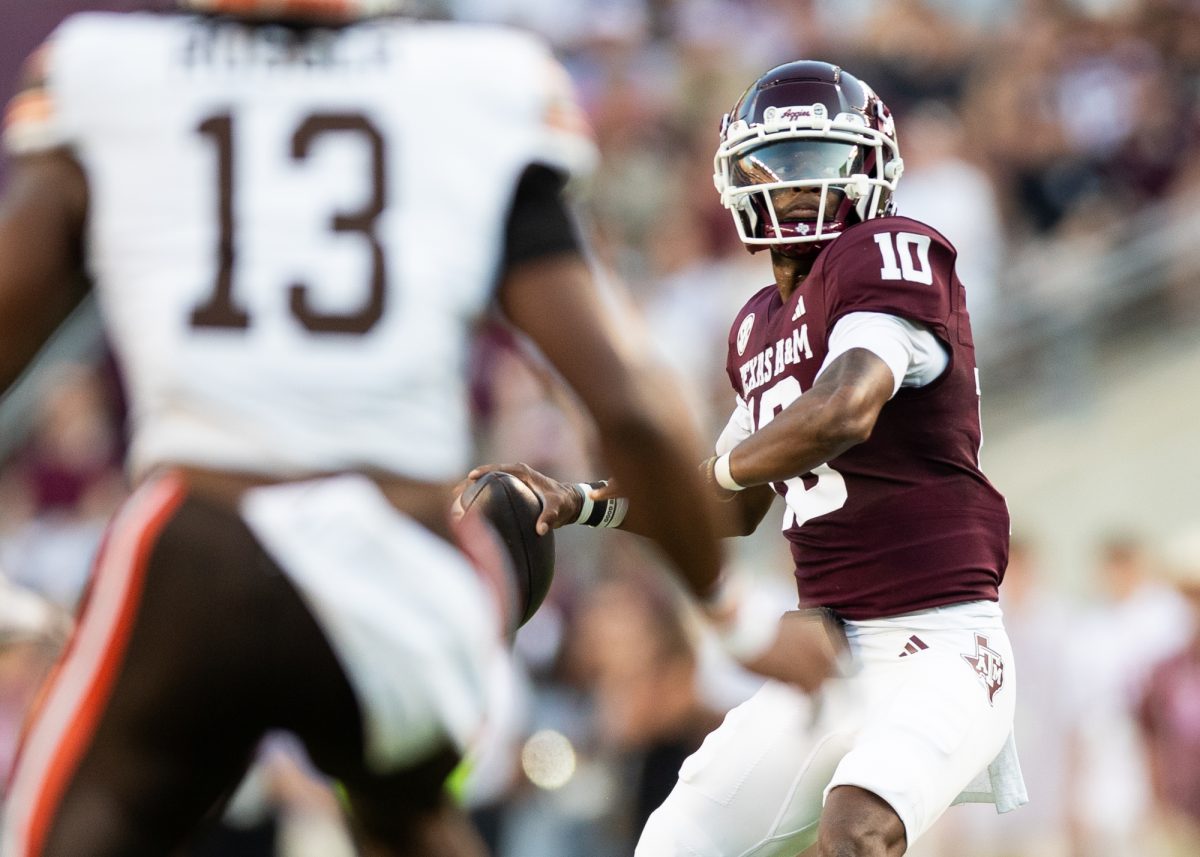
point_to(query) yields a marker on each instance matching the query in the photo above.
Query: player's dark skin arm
(645, 434)
(41, 226)
(745, 510)
(837, 413)
(648, 443)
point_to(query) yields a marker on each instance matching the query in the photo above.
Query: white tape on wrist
(585, 510)
(615, 513)
(723, 476)
(605, 513)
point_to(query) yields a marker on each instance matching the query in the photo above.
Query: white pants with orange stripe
(78, 690)
(375, 605)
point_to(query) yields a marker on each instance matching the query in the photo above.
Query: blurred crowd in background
(1055, 143)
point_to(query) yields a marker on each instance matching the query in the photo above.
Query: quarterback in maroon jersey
(857, 401)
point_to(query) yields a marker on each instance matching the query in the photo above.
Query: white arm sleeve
(739, 427)
(910, 350)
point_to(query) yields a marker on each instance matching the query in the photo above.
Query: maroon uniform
(901, 534)
(905, 521)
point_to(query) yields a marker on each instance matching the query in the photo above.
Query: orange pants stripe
(84, 679)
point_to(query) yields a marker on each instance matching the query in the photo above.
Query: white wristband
(723, 476)
(607, 513)
(615, 513)
(585, 511)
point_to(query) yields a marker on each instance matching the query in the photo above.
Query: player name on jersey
(774, 359)
(228, 46)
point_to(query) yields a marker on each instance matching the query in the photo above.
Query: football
(513, 509)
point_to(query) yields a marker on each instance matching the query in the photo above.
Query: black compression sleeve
(539, 222)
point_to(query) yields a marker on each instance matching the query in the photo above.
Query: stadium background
(1056, 144)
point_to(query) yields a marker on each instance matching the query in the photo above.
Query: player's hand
(610, 490)
(804, 653)
(561, 501)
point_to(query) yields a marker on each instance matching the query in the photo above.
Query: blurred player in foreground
(857, 402)
(293, 214)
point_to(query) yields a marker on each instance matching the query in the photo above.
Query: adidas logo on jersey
(915, 644)
(799, 311)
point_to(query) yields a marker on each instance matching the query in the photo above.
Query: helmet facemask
(798, 179)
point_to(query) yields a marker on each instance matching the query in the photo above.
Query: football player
(857, 401)
(292, 215)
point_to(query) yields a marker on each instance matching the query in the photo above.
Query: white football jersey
(292, 240)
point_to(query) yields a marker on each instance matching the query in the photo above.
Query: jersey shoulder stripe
(37, 118)
(31, 120)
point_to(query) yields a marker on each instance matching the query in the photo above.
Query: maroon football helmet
(807, 151)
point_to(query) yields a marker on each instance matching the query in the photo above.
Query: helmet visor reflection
(797, 160)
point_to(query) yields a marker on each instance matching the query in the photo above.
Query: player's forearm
(813, 430)
(836, 414)
(740, 515)
(41, 219)
(25, 329)
(647, 439)
(655, 466)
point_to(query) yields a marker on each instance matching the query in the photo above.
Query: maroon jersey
(906, 520)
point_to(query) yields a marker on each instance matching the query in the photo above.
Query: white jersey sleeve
(292, 236)
(739, 427)
(910, 350)
(33, 121)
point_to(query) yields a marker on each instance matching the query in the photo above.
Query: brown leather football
(513, 509)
